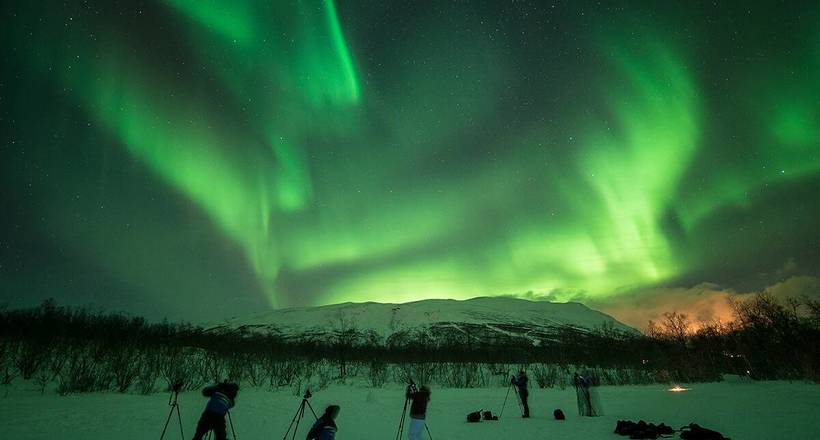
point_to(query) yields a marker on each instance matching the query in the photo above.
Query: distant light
(678, 389)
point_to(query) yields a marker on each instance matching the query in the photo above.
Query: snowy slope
(486, 315)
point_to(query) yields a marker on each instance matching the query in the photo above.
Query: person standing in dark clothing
(521, 383)
(418, 410)
(222, 398)
(325, 426)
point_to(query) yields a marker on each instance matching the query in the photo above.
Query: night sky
(204, 159)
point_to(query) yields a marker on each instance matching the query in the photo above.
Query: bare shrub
(236, 366)
(255, 370)
(545, 375)
(45, 374)
(8, 371)
(30, 355)
(177, 365)
(125, 363)
(149, 371)
(419, 372)
(82, 373)
(377, 373)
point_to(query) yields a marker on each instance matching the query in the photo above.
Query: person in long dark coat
(521, 383)
(418, 411)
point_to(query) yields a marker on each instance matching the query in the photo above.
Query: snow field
(743, 411)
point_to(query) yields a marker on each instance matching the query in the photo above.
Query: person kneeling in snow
(222, 398)
(418, 410)
(325, 426)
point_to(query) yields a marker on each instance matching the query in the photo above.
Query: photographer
(222, 398)
(587, 402)
(418, 409)
(521, 383)
(325, 427)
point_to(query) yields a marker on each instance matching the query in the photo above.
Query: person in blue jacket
(222, 398)
(325, 426)
(588, 404)
(521, 383)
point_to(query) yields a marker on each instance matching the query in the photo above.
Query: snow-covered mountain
(483, 318)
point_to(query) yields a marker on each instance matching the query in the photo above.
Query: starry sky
(204, 159)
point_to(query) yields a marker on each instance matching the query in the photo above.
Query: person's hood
(332, 411)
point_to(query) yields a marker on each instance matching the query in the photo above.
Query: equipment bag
(643, 430)
(488, 415)
(559, 415)
(474, 417)
(696, 432)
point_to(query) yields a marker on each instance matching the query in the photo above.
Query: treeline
(767, 339)
(76, 350)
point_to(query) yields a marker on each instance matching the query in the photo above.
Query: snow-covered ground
(743, 411)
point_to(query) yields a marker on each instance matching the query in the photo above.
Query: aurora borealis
(206, 158)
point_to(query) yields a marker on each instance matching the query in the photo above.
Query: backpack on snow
(642, 430)
(559, 415)
(488, 415)
(474, 417)
(696, 432)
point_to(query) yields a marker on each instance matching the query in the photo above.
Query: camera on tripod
(174, 404)
(300, 412)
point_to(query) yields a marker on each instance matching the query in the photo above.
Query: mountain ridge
(484, 317)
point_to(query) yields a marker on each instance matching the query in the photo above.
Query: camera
(307, 394)
(177, 387)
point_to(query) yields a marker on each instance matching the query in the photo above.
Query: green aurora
(184, 155)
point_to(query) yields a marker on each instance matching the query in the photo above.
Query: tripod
(404, 414)
(520, 401)
(514, 386)
(300, 412)
(505, 401)
(172, 402)
(412, 390)
(210, 434)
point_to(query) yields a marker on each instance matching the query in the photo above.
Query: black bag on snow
(664, 429)
(488, 415)
(559, 415)
(642, 430)
(696, 432)
(632, 429)
(474, 417)
(624, 427)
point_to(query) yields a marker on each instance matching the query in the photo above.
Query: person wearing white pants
(418, 411)
(417, 429)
